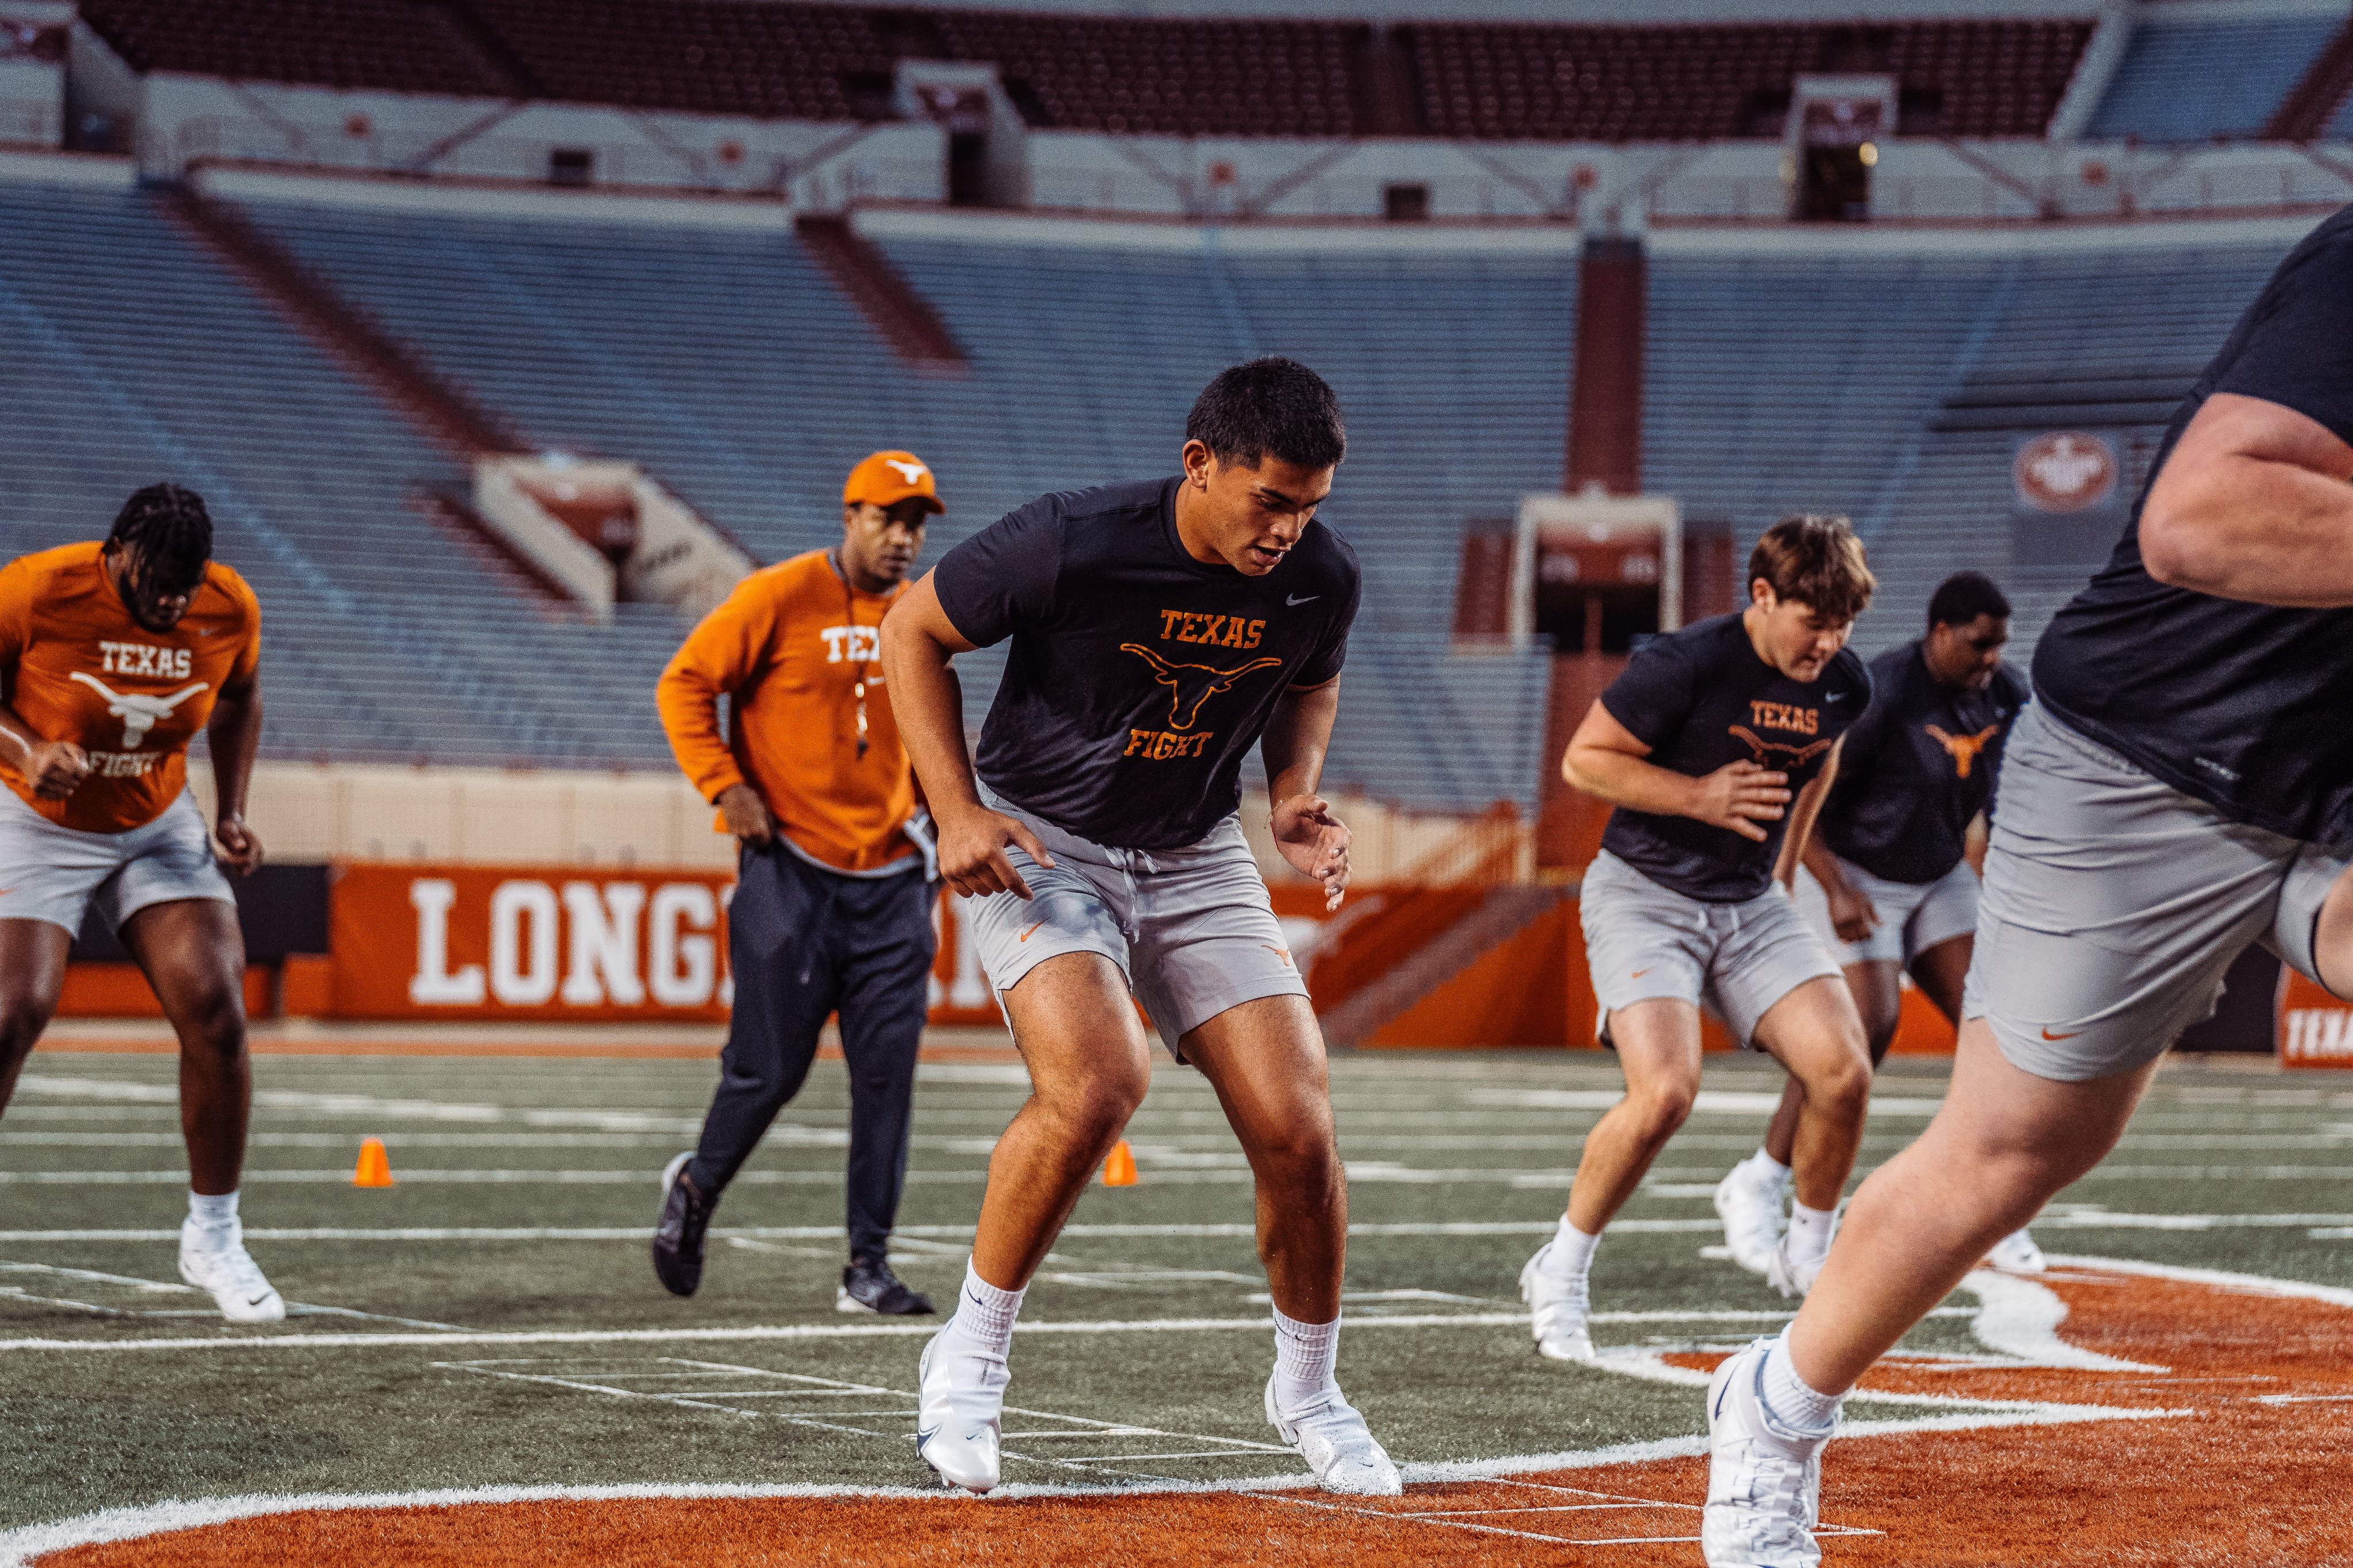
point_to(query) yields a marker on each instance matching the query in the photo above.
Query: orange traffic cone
(1119, 1169)
(374, 1167)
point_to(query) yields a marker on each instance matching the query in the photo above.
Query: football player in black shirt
(1716, 745)
(1886, 878)
(2181, 786)
(1159, 630)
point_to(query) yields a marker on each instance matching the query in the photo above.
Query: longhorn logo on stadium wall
(2064, 471)
(1193, 684)
(139, 713)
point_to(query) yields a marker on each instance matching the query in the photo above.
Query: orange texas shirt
(76, 666)
(787, 648)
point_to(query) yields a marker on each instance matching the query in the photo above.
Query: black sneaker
(869, 1286)
(677, 1232)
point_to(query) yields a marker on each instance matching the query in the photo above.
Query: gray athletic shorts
(1646, 941)
(1912, 916)
(2113, 903)
(1192, 930)
(54, 874)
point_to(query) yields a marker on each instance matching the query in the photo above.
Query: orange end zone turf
(2239, 1458)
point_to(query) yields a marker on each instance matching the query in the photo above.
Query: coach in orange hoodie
(833, 899)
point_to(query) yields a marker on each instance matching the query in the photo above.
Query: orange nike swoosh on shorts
(1025, 935)
(1640, 972)
(2049, 1036)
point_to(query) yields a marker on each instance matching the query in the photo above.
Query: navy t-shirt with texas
(1139, 677)
(1700, 698)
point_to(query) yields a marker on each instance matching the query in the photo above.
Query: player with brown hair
(111, 658)
(1716, 745)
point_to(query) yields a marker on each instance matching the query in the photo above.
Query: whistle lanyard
(865, 665)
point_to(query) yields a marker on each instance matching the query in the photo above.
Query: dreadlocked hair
(167, 530)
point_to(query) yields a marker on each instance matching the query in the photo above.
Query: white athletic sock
(1810, 1231)
(215, 1215)
(1571, 1258)
(1765, 1171)
(1789, 1401)
(1304, 1355)
(985, 1314)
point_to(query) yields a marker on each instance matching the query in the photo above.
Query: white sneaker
(1764, 1485)
(222, 1265)
(2017, 1253)
(1333, 1438)
(1791, 1275)
(1752, 1219)
(1558, 1310)
(960, 1412)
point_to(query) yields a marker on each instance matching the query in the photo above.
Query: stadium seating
(392, 45)
(1666, 83)
(2198, 81)
(128, 356)
(730, 365)
(1208, 77)
(1853, 415)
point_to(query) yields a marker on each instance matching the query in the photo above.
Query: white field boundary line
(2053, 1220)
(19, 1548)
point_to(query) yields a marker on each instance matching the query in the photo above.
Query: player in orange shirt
(111, 658)
(833, 900)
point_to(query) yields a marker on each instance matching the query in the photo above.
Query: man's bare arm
(1802, 816)
(1306, 833)
(1605, 759)
(233, 734)
(928, 701)
(2253, 504)
(54, 768)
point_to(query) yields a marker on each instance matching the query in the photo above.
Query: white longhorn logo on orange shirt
(138, 713)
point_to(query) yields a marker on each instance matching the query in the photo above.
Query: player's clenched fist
(1740, 795)
(972, 853)
(55, 767)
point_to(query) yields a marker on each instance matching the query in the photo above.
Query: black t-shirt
(1917, 767)
(1699, 699)
(2247, 707)
(1139, 677)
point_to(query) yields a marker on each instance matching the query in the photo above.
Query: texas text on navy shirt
(1139, 677)
(2241, 705)
(1917, 768)
(1700, 698)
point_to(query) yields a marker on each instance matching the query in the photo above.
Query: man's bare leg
(194, 955)
(1265, 1059)
(32, 976)
(1659, 1050)
(1658, 1046)
(2004, 1144)
(1815, 1034)
(1089, 1069)
(1876, 986)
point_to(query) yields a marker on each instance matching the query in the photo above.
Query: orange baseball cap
(888, 477)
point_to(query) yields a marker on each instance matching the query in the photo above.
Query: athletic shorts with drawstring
(1645, 942)
(2114, 904)
(1192, 930)
(54, 873)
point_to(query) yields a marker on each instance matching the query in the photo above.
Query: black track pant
(803, 943)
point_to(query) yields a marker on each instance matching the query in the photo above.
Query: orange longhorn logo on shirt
(1193, 684)
(1798, 756)
(1964, 748)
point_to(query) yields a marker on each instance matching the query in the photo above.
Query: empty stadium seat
(2195, 80)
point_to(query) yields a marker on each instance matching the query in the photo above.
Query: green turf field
(494, 1319)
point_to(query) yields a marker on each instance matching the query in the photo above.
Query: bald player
(833, 900)
(111, 658)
